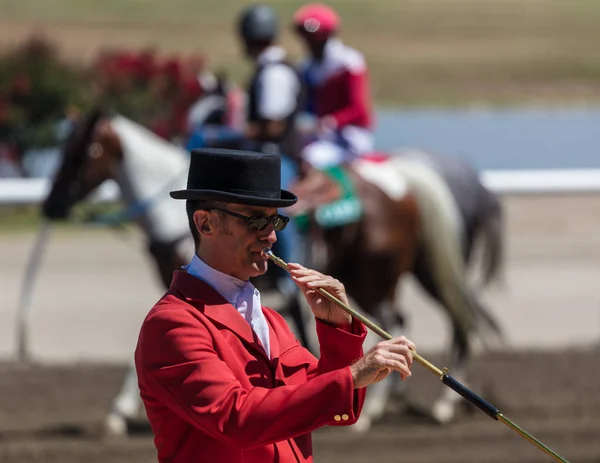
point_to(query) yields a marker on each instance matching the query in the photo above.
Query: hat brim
(287, 198)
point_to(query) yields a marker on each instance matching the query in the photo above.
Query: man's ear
(204, 224)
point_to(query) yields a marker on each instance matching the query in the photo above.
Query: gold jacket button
(337, 417)
(345, 417)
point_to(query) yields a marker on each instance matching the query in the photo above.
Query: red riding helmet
(317, 20)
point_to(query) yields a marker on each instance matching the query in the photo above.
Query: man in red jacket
(336, 80)
(222, 377)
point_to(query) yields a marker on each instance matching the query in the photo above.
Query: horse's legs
(379, 277)
(444, 408)
(378, 394)
(168, 257)
(125, 406)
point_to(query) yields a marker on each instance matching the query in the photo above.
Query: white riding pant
(326, 152)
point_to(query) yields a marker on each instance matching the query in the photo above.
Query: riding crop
(448, 380)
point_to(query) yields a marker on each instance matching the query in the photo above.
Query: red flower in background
(146, 65)
(20, 85)
(156, 91)
(4, 110)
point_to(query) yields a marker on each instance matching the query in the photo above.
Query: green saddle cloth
(346, 210)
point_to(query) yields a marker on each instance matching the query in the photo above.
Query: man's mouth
(263, 252)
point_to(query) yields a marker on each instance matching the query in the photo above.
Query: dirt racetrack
(54, 415)
(88, 305)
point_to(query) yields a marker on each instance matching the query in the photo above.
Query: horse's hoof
(115, 425)
(443, 412)
(362, 426)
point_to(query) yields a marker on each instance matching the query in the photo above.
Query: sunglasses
(259, 223)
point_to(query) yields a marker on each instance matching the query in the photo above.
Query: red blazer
(346, 97)
(338, 86)
(212, 395)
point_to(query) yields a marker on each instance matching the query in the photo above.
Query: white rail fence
(32, 191)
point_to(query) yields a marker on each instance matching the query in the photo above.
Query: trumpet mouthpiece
(265, 252)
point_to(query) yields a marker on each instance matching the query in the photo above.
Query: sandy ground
(95, 287)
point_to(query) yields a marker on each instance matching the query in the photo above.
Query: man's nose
(272, 236)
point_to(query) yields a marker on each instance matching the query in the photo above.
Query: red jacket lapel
(214, 306)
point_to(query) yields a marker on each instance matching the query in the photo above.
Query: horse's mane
(149, 146)
(82, 132)
(64, 184)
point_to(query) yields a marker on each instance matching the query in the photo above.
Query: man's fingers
(304, 275)
(403, 371)
(405, 341)
(298, 270)
(296, 267)
(318, 281)
(401, 366)
(403, 350)
(382, 374)
(325, 284)
(398, 364)
(386, 347)
(309, 278)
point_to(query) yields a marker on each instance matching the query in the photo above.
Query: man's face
(316, 46)
(236, 249)
(251, 50)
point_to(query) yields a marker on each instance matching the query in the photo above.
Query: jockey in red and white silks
(336, 80)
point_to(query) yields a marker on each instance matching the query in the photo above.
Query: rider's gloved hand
(327, 125)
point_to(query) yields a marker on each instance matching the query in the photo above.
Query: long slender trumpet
(448, 380)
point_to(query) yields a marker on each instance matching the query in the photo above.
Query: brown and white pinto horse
(410, 224)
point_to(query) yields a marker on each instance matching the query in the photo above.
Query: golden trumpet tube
(364, 320)
(448, 380)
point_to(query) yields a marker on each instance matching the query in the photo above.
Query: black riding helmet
(258, 24)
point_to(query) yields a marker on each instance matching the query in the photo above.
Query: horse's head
(90, 156)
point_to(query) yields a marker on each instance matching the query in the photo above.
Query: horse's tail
(492, 229)
(442, 240)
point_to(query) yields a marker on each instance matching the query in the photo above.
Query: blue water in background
(498, 139)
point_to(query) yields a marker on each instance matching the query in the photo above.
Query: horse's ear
(81, 132)
(65, 184)
(103, 131)
(106, 136)
(95, 113)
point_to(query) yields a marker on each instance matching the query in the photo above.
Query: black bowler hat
(235, 176)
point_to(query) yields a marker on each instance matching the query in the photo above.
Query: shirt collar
(226, 285)
(332, 47)
(270, 54)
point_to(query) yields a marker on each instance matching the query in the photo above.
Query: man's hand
(327, 124)
(381, 360)
(308, 281)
